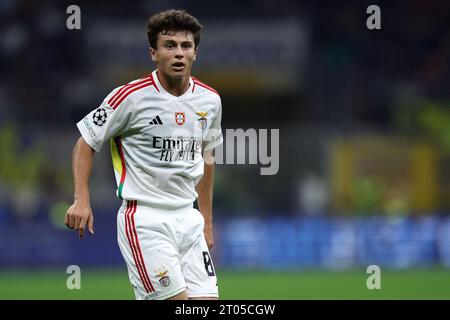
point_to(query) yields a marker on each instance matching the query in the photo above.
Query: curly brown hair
(170, 21)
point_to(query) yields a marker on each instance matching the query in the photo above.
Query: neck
(173, 86)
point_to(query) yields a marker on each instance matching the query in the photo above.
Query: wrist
(208, 225)
(82, 199)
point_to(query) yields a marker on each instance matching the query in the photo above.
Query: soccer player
(162, 130)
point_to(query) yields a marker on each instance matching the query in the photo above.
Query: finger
(91, 224)
(71, 222)
(76, 224)
(66, 220)
(81, 228)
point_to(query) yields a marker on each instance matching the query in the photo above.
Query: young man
(162, 129)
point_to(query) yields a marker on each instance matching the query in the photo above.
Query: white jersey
(156, 138)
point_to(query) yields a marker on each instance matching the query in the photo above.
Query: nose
(179, 52)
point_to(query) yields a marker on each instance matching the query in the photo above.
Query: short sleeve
(214, 137)
(105, 122)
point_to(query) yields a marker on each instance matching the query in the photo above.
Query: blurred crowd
(346, 81)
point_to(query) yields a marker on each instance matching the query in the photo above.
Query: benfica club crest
(164, 279)
(202, 121)
(180, 118)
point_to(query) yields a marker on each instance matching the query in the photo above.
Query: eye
(187, 45)
(169, 45)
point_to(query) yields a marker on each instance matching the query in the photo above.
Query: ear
(195, 54)
(152, 54)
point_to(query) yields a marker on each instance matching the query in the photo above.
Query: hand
(209, 236)
(77, 216)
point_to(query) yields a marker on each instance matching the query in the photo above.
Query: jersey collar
(161, 89)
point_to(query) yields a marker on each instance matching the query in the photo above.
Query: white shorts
(165, 251)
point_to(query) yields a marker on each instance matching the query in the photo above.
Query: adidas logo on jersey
(156, 121)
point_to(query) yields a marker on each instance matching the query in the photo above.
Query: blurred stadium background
(364, 119)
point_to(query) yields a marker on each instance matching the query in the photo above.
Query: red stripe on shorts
(139, 248)
(131, 207)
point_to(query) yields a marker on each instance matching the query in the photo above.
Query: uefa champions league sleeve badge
(99, 117)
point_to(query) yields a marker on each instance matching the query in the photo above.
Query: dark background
(364, 122)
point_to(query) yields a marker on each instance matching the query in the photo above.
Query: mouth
(178, 66)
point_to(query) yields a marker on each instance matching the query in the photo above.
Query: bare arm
(204, 189)
(80, 213)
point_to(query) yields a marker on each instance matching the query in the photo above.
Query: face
(174, 54)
